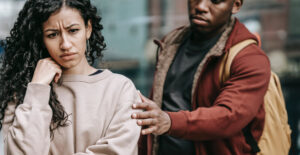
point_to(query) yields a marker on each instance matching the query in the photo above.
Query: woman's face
(65, 35)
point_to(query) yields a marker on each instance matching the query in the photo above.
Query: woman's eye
(52, 35)
(73, 30)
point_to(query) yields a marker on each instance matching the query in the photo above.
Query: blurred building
(8, 13)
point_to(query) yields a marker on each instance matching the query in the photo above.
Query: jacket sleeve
(123, 132)
(236, 105)
(26, 128)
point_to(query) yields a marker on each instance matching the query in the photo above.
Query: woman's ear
(237, 6)
(89, 29)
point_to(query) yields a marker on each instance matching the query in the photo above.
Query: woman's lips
(68, 56)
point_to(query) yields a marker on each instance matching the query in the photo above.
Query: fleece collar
(167, 51)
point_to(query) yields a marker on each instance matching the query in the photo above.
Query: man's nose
(202, 6)
(65, 44)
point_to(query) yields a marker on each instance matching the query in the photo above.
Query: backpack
(276, 135)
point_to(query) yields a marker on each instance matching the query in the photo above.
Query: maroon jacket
(219, 112)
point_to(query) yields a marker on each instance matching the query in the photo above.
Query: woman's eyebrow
(68, 27)
(53, 29)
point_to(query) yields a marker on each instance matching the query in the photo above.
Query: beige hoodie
(100, 123)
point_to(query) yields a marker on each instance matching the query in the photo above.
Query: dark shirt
(97, 72)
(178, 89)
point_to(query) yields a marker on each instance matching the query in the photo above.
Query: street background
(131, 25)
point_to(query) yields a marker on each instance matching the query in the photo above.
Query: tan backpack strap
(227, 59)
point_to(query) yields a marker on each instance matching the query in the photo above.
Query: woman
(52, 101)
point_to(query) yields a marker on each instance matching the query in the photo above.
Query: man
(191, 112)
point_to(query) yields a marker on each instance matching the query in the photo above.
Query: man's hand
(153, 119)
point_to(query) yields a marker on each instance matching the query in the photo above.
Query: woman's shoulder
(121, 79)
(123, 85)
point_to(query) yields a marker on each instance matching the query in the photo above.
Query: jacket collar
(239, 33)
(168, 48)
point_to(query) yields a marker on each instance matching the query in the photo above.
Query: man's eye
(216, 1)
(73, 30)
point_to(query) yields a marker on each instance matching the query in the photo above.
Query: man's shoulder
(238, 34)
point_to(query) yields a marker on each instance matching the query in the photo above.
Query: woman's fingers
(57, 71)
(46, 71)
(57, 75)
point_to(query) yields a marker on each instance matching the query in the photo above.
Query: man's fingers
(147, 122)
(141, 96)
(144, 99)
(142, 115)
(143, 106)
(149, 130)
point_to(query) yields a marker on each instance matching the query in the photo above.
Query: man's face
(210, 17)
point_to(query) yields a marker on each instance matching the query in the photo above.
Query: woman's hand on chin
(46, 71)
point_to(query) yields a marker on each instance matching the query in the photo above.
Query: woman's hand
(153, 119)
(45, 71)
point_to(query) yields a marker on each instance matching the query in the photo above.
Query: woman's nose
(65, 43)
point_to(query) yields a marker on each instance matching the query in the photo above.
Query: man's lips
(198, 20)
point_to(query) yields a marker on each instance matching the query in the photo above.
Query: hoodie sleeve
(123, 133)
(26, 128)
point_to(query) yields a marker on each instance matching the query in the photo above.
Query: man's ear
(237, 6)
(89, 29)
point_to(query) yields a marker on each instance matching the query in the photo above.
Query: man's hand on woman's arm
(152, 119)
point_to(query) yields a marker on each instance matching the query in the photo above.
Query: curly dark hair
(25, 47)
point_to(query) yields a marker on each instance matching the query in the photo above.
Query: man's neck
(202, 36)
